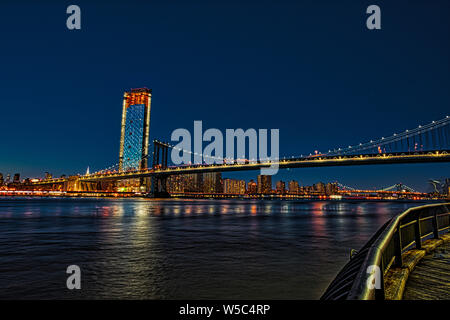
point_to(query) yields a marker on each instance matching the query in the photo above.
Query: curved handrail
(356, 280)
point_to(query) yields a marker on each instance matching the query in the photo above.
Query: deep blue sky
(309, 68)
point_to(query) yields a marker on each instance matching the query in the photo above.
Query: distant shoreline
(215, 197)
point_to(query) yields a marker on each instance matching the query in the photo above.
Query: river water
(180, 249)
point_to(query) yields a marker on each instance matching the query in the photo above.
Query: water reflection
(318, 207)
(181, 249)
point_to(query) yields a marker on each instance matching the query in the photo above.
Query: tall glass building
(135, 129)
(134, 134)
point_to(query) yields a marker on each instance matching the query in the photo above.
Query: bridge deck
(430, 279)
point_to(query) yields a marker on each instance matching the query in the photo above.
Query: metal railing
(384, 250)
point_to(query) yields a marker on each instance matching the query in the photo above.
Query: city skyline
(347, 87)
(206, 153)
(208, 184)
(428, 143)
(134, 146)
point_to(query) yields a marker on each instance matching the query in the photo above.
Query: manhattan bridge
(423, 144)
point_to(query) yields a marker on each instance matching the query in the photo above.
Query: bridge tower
(135, 128)
(159, 181)
(160, 148)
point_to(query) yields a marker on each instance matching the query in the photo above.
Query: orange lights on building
(137, 96)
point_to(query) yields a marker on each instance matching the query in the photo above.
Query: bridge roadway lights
(158, 175)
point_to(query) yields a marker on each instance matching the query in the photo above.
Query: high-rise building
(264, 184)
(16, 178)
(331, 188)
(48, 176)
(1, 179)
(281, 187)
(319, 187)
(233, 186)
(193, 182)
(228, 186)
(242, 186)
(294, 187)
(212, 182)
(135, 129)
(175, 183)
(252, 187)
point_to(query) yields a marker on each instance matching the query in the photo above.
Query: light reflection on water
(193, 249)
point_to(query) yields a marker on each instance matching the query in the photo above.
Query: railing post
(435, 225)
(417, 232)
(447, 211)
(398, 247)
(448, 215)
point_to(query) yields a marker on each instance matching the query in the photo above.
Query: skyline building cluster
(214, 183)
(7, 181)
(210, 182)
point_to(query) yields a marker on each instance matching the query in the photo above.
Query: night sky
(309, 68)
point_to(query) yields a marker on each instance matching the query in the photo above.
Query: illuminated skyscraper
(233, 186)
(193, 182)
(264, 184)
(212, 182)
(294, 187)
(252, 187)
(281, 187)
(135, 129)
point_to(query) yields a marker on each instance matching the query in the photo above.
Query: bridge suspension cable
(433, 136)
